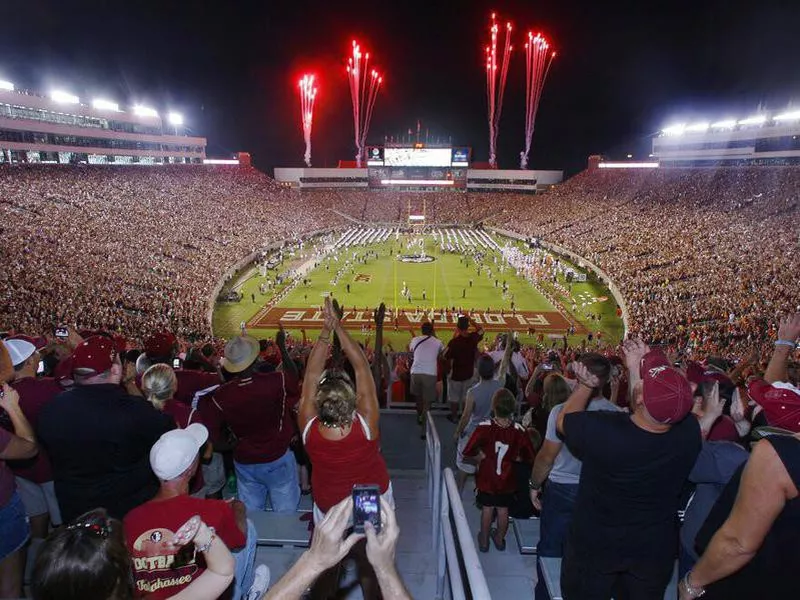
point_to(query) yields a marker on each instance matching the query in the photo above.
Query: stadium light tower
(175, 119)
(63, 97)
(100, 104)
(144, 111)
(6, 85)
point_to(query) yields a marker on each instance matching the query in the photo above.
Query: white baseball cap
(19, 350)
(175, 451)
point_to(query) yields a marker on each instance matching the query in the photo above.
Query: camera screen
(366, 507)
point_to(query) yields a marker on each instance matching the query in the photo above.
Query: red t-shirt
(158, 572)
(259, 411)
(502, 446)
(190, 382)
(461, 351)
(34, 394)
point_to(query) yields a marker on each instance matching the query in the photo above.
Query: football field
(441, 285)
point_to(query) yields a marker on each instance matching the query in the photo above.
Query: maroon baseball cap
(94, 355)
(159, 345)
(667, 395)
(781, 404)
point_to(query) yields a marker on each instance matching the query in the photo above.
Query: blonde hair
(159, 384)
(336, 402)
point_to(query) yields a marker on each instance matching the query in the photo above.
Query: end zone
(311, 318)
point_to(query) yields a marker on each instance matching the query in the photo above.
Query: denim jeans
(277, 478)
(558, 502)
(245, 558)
(14, 528)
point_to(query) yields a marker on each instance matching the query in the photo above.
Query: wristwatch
(534, 485)
(692, 591)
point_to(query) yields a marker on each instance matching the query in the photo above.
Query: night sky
(624, 69)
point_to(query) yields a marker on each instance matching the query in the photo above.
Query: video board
(417, 157)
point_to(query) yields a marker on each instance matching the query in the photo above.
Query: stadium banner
(311, 318)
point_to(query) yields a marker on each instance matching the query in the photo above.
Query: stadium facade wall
(579, 261)
(477, 179)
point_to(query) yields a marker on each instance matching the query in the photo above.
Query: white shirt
(426, 350)
(516, 359)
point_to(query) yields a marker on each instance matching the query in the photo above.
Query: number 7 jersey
(502, 446)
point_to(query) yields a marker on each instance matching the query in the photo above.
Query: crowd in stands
(112, 456)
(701, 256)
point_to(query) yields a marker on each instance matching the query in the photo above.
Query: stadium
(151, 290)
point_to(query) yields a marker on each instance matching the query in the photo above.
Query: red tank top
(339, 465)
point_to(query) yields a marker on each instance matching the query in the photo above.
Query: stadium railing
(452, 561)
(433, 472)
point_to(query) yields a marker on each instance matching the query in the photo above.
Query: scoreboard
(417, 167)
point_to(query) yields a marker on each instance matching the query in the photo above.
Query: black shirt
(630, 485)
(98, 439)
(773, 571)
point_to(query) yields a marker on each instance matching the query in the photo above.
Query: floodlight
(630, 155)
(63, 97)
(754, 120)
(697, 127)
(724, 124)
(144, 111)
(101, 104)
(674, 129)
(6, 85)
(787, 116)
(175, 118)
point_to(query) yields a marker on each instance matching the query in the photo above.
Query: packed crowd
(702, 257)
(115, 460)
(134, 250)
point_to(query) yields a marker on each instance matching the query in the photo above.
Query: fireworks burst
(364, 86)
(496, 83)
(538, 59)
(308, 95)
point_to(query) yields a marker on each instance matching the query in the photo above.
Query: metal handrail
(451, 504)
(433, 472)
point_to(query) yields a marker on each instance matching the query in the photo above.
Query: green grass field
(443, 281)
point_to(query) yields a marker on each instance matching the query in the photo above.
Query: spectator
(88, 559)
(174, 459)
(462, 352)
(498, 444)
(477, 409)
(34, 477)
(98, 436)
(558, 471)
(259, 410)
(623, 535)
(753, 552)
(340, 425)
(15, 445)
(329, 547)
(426, 349)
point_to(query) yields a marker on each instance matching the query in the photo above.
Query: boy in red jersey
(498, 443)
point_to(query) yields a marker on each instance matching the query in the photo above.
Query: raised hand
(634, 350)
(9, 398)
(789, 328)
(713, 403)
(583, 375)
(381, 546)
(329, 315)
(328, 545)
(280, 336)
(380, 314)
